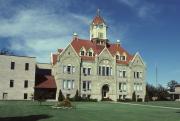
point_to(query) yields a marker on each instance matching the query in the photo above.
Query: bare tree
(5, 51)
(171, 84)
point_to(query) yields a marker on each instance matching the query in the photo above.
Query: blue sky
(151, 27)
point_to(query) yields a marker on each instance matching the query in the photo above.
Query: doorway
(105, 90)
(5, 96)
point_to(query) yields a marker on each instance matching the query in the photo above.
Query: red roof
(54, 58)
(98, 20)
(114, 48)
(77, 44)
(45, 81)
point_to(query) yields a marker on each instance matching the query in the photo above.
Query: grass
(175, 104)
(85, 111)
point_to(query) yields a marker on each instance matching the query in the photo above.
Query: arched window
(123, 57)
(82, 51)
(117, 56)
(90, 52)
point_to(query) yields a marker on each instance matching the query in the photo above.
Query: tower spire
(98, 12)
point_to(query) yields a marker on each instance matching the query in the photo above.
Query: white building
(17, 77)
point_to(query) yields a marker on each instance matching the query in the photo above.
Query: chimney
(75, 36)
(118, 43)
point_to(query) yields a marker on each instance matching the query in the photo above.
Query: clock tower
(98, 29)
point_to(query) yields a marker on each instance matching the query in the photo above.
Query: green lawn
(175, 104)
(101, 111)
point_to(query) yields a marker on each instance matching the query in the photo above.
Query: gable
(137, 60)
(69, 55)
(105, 54)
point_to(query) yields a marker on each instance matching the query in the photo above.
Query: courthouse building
(98, 68)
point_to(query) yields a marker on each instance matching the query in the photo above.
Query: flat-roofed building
(17, 77)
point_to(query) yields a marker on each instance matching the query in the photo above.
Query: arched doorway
(105, 90)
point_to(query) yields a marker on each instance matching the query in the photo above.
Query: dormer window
(117, 57)
(82, 52)
(123, 58)
(90, 52)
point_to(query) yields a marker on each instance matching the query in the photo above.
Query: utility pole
(156, 77)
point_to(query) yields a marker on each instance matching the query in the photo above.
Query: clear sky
(151, 27)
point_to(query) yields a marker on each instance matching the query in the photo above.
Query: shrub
(134, 97)
(64, 103)
(77, 97)
(106, 99)
(124, 100)
(61, 96)
(139, 100)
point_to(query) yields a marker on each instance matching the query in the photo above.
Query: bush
(124, 100)
(134, 97)
(106, 99)
(77, 97)
(80, 99)
(139, 100)
(61, 96)
(64, 103)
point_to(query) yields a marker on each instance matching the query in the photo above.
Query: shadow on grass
(25, 118)
(178, 112)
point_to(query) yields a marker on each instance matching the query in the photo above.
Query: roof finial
(98, 12)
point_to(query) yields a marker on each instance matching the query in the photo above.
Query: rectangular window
(99, 70)
(103, 71)
(69, 84)
(111, 71)
(125, 87)
(64, 69)
(84, 71)
(25, 95)
(73, 69)
(140, 75)
(134, 74)
(12, 65)
(11, 83)
(72, 84)
(26, 66)
(26, 84)
(88, 85)
(107, 71)
(120, 86)
(69, 69)
(84, 85)
(100, 35)
(64, 84)
(137, 74)
(120, 74)
(89, 71)
(5, 96)
(124, 74)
